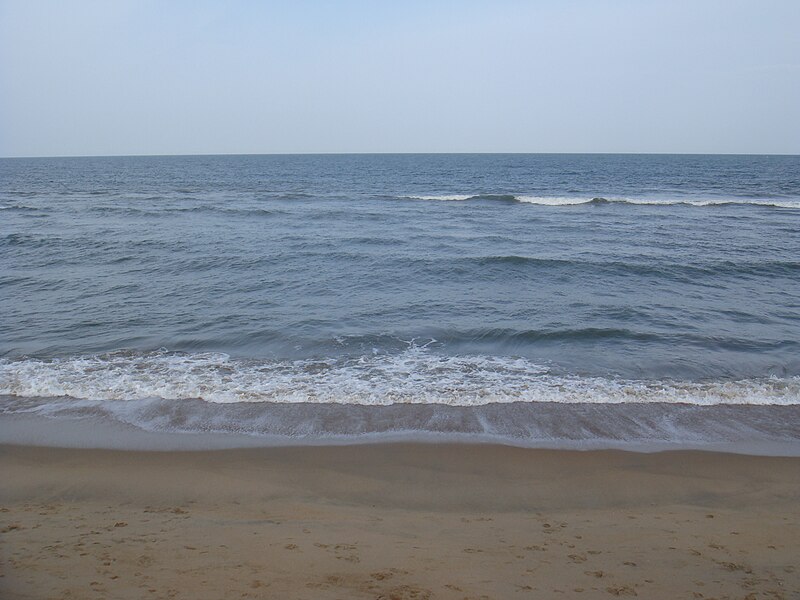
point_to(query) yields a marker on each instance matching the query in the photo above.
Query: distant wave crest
(599, 200)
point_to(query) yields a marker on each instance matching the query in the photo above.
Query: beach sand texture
(397, 521)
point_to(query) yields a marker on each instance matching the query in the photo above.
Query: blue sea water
(327, 295)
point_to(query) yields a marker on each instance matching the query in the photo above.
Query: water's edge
(756, 430)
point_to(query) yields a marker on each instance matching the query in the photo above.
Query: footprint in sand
(144, 560)
(387, 574)
(346, 552)
(621, 590)
(406, 592)
(730, 566)
(597, 574)
(577, 558)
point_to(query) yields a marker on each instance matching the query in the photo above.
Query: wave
(450, 197)
(435, 340)
(504, 336)
(463, 197)
(20, 208)
(182, 210)
(414, 376)
(515, 337)
(688, 272)
(599, 200)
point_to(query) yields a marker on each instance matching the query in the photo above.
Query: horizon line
(201, 154)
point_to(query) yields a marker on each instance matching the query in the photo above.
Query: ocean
(554, 300)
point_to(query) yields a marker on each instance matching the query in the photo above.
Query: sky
(119, 77)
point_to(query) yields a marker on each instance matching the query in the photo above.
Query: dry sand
(397, 521)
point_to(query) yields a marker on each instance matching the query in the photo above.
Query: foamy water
(415, 376)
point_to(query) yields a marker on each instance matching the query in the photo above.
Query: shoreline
(404, 520)
(768, 430)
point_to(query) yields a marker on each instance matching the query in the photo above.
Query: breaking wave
(414, 376)
(598, 200)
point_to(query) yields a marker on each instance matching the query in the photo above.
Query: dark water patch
(510, 336)
(593, 335)
(120, 260)
(21, 193)
(376, 241)
(19, 239)
(159, 211)
(293, 196)
(20, 208)
(694, 273)
(9, 280)
(515, 260)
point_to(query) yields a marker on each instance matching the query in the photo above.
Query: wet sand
(397, 521)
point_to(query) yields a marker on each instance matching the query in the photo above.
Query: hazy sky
(185, 77)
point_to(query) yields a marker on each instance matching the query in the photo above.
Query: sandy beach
(397, 521)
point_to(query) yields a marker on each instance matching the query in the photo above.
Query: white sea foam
(577, 201)
(720, 202)
(415, 376)
(553, 200)
(444, 197)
